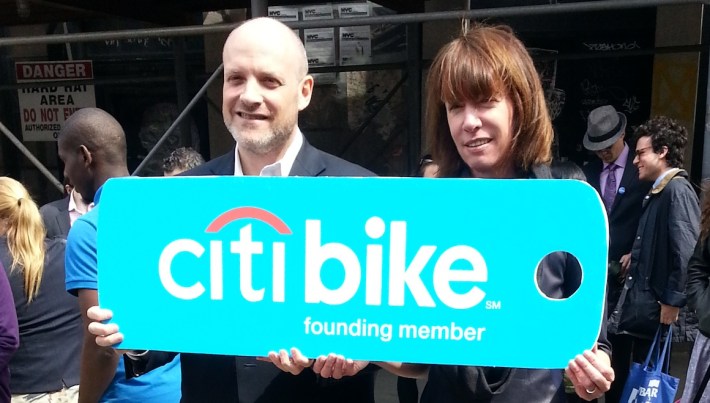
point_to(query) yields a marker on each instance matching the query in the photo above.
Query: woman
(487, 118)
(696, 381)
(46, 366)
(9, 338)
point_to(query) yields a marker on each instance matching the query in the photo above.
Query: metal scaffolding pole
(99, 82)
(414, 95)
(178, 120)
(181, 86)
(518, 11)
(31, 157)
(259, 8)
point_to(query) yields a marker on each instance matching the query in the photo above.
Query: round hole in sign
(558, 275)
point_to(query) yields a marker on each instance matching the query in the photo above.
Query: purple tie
(610, 186)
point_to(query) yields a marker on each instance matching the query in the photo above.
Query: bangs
(469, 76)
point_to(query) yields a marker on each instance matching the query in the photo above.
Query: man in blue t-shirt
(92, 146)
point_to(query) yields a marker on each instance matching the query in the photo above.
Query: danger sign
(44, 108)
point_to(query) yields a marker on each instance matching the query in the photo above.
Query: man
(180, 160)
(58, 216)
(266, 84)
(615, 178)
(92, 146)
(654, 292)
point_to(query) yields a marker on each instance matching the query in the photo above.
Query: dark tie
(610, 186)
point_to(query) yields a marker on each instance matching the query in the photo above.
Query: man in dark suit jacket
(213, 378)
(55, 216)
(616, 179)
(266, 84)
(59, 215)
(605, 137)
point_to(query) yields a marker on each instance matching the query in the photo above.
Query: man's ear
(85, 155)
(663, 153)
(306, 90)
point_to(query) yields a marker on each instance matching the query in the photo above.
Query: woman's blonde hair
(483, 63)
(24, 231)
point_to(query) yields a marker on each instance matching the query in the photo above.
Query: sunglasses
(425, 160)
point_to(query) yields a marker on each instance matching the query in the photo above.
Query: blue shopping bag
(650, 382)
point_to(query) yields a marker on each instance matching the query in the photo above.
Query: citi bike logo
(402, 274)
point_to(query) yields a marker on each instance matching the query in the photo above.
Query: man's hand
(669, 314)
(107, 334)
(294, 364)
(337, 366)
(98, 363)
(591, 374)
(625, 262)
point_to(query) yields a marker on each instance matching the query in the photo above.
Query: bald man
(266, 85)
(92, 146)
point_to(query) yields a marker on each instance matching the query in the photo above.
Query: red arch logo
(248, 212)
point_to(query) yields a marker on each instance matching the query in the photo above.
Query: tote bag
(649, 382)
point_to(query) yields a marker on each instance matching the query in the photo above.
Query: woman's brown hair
(481, 64)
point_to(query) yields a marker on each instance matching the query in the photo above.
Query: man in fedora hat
(615, 177)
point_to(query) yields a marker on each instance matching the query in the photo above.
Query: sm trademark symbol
(492, 304)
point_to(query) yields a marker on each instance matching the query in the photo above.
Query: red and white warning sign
(45, 107)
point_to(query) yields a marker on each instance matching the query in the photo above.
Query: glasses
(642, 151)
(425, 160)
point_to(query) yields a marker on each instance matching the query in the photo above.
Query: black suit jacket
(626, 210)
(624, 216)
(225, 379)
(55, 216)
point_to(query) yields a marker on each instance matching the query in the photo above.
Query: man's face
(611, 153)
(649, 163)
(76, 169)
(263, 92)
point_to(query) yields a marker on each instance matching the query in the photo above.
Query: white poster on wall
(319, 42)
(320, 46)
(284, 13)
(317, 12)
(44, 108)
(352, 10)
(355, 42)
(355, 45)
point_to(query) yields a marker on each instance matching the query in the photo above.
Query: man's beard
(263, 144)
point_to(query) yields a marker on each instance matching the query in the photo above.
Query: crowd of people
(486, 118)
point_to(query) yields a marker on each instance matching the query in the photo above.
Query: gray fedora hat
(604, 126)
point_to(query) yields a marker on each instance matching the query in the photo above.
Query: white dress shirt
(281, 167)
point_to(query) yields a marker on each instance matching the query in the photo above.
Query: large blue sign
(383, 269)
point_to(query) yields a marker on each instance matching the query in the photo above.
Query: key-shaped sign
(384, 269)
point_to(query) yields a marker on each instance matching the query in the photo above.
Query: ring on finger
(592, 390)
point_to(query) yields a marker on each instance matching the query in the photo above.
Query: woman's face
(483, 134)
